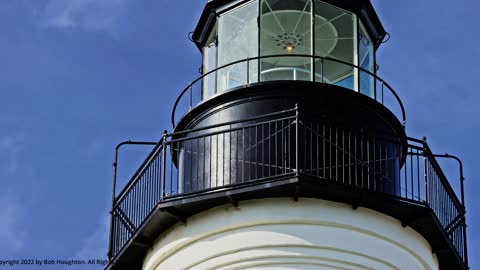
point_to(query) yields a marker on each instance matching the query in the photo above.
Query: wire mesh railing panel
(218, 159)
(350, 158)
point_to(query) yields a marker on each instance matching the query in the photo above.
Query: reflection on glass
(210, 63)
(334, 30)
(365, 47)
(285, 28)
(237, 40)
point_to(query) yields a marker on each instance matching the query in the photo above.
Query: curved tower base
(283, 234)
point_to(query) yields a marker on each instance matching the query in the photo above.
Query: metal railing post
(425, 173)
(164, 164)
(297, 127)
(465, 245)
(112, 211)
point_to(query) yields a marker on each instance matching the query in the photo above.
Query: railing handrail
(248, 59)
(444, 180)
(139, 171)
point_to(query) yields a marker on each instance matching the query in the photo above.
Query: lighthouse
(288, 152)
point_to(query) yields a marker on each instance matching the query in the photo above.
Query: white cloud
(9, 148)
(86, 15)
(95, 246)
(12, 236)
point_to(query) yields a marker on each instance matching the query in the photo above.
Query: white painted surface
(280, 234)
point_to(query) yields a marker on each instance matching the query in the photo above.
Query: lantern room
(245, 42)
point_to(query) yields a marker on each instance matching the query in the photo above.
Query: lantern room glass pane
(366, 61)
(209, 64)
(334, 38)
(285, 28)
(237, 40)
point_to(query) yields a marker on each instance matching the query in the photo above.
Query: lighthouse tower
(289, 152)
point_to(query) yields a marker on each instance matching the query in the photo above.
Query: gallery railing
(318, 69)
(279, 145)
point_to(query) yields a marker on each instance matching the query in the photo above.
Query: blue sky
(79, 76)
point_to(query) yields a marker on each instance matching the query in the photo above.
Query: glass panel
(334, 38)
(285, 29)
(209, 63)
(237, 40)
(366, 60)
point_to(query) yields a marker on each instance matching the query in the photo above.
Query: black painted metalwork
(114, 185)
(233, 155)
(187, 96)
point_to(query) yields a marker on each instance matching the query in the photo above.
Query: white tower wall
(280, 234)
